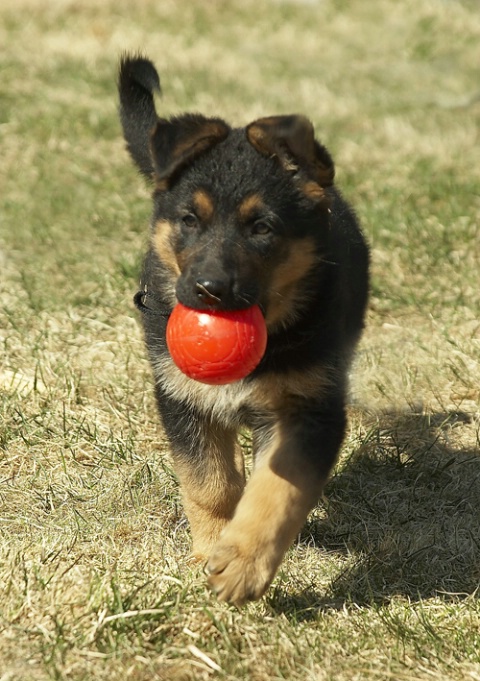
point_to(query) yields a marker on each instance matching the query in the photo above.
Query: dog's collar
(149, 304)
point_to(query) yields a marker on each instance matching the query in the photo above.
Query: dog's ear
(291, 140)
(137, 82)
(176, 142)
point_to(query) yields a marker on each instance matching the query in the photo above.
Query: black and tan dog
(244, 216)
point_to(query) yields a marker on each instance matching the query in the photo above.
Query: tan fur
(313, 190)
(275, 390)
(250, 207)
(222, 402)
(201, 139)
(211, 488)
(161, 185)
(204, 206)
(162, 244)
(292, 141)
(251, 547)
(286, 288)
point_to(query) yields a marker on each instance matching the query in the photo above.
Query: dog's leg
(209, 465)
(292, 467)
(211, 483)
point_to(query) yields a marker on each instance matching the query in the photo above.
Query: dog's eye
(190, 220)
(261, 228)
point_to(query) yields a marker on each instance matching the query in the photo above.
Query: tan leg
(212, 484)
(283, 488)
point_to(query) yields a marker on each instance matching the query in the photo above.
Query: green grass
(382, 582)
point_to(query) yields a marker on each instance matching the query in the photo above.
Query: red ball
(216, 347)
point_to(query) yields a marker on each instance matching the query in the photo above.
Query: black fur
(137, 82)
(241, 217)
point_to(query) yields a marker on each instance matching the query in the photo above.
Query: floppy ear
(291, 139)
(176, 142)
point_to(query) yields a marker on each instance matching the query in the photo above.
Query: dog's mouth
(148, 303)
(212, 294)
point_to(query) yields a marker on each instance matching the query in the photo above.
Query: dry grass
(382, 583)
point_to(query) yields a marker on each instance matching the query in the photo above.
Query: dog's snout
(211, 291)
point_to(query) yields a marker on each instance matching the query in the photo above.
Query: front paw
(237, 574)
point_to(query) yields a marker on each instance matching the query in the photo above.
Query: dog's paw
(196, 559)
(237, 575)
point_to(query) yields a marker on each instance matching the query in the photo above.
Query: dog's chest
(224, 403)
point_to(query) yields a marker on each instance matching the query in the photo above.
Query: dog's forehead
(247, 206)
(235, 163)
(234, 176)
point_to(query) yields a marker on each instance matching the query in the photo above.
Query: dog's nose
(211, 291)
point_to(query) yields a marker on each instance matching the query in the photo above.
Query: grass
(383, 581)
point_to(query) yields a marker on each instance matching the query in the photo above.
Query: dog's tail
(138, 80)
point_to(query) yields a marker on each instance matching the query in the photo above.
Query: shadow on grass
(403, 513)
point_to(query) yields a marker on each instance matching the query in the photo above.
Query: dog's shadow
(403, 515)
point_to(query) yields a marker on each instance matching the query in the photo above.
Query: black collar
(149, 304)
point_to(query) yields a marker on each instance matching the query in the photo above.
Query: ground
(96, 584)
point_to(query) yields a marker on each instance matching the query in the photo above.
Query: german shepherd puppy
(245, 216)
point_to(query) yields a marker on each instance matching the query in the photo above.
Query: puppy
(245, 216)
